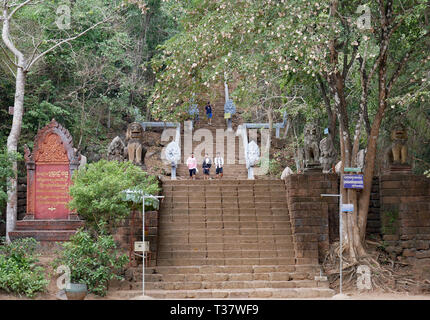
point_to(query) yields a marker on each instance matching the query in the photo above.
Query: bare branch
(6, 39)
(17, 8)
(31, 62)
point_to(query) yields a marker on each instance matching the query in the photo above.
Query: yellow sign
(227, 115)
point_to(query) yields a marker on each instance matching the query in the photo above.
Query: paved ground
(349, 296)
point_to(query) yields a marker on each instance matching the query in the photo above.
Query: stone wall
(309, 213)
(405, 216)
(22, 197)
(373, 227)
(124, 235)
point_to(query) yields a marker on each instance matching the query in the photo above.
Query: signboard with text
(347, 207)
(353, 181)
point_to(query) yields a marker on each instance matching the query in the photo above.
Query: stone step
(256, 293)
(227, 231)
(225, 261)
(48, 224)
(220, 246)
(177, 219)
(43, 235)
(243, 214)
(203, 277)
(249, 183)
(191, 226)
(296, 269)
(226, 254)
(166, 240)
(239, 284)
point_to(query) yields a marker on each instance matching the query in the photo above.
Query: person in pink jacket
(192, 166)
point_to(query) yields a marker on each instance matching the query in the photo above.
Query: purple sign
(353, 181)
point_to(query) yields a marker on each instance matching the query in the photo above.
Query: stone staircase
(232, 168)
(226, 239)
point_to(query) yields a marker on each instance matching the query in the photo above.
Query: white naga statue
(173, 156)
(252, 157)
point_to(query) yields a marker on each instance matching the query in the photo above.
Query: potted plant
(93, 262)
(76, 291)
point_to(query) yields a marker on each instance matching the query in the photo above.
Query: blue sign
(326, 131)
(353, 181)
(348, 207)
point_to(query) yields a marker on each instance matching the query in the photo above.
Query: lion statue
(397, 152)
(134, 139)
(312, 150)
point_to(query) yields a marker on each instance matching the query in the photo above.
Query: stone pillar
(309, 214)
(31, 169)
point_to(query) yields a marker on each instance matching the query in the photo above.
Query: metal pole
(340, 230)
(340, 233)
(144, 246)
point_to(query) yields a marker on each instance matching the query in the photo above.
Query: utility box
(139, 246)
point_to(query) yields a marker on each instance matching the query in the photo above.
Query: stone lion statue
(134, 139)
(397, 152)
(312, 151)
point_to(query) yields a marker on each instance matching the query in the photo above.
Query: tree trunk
(372, 148)
(12, 146)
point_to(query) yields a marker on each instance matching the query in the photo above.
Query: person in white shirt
(219, 163)
(192, 166)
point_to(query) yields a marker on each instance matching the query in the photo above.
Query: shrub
(18, 270)
(96, 192)
(92, 261)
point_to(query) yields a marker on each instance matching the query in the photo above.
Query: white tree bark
(12, 140)
(22, 67)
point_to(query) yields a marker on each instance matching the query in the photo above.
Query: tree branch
(403, 62)
(31, 62)
(17, 8)
(5, 36)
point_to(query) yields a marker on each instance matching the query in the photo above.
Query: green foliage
(93, 85)
(92, 261)
(19, 272)
(390, 222)
(97, 191)
(6, 172)
(275, 168)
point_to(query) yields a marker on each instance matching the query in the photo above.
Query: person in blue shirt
(208, 109)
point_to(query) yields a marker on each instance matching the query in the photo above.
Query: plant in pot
(93, 262)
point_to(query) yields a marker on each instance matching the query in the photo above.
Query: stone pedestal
(399, 169)
(313, 168)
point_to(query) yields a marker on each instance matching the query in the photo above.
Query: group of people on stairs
(207, 164)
